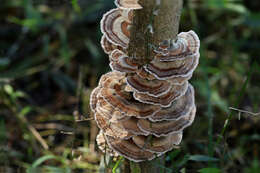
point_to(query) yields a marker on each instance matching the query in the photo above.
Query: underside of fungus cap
(164, 128)
(128, 4)
(179, 108)
(129, 149)
(165, 100)
(115, 28)
(158, 144)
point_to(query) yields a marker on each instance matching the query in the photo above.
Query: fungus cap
(115, 28)
(150, 87)
(129, 149)
(165, 100)
(113, 91)
(164, 128)
(158, 144)
(128, 4)
(179, 108)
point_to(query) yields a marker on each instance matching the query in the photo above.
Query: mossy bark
(157, 21)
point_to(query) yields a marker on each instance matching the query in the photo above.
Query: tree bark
(157, 21)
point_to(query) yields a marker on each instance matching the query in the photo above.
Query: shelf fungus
(142, 109)
(128, 4)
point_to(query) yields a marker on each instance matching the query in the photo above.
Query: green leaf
(8, 89)
(209, 170)
(173, 155)
(202, 158)
(237, 8)
(39, 161)
(76, 6)
(25, 110)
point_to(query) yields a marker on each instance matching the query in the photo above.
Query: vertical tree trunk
(157, 21)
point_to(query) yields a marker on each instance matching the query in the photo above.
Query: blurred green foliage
(51, 59)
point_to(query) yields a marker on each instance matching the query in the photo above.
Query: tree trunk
(157, 21)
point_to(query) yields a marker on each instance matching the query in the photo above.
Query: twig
(85, 119)
(34, 132)
(244, 111)
(38, 136)
(67, 133)
(54, 126)
(241, 95)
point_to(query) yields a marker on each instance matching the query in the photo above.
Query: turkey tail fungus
(145, 103)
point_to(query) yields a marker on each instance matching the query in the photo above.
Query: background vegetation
(51, 59)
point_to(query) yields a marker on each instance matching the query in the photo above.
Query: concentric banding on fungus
(153, 88)
(110, 112)
(111, 129)
(113, 123)
(164, 128)
(107, 46)
(94, 99)
(121, 62)
(129, 149)
(192, 39)
(110, 76)
(128, 4)
(179, 108)
(113, 92)
(115, 27)
(142, 73)
(131, 126)
(186, 45)
(158, 144)
(173, 69)
(166, 99)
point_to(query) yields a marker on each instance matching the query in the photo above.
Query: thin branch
(38, 136)
(244, 111)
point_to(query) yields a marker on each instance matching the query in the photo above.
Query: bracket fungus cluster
(142, 109)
